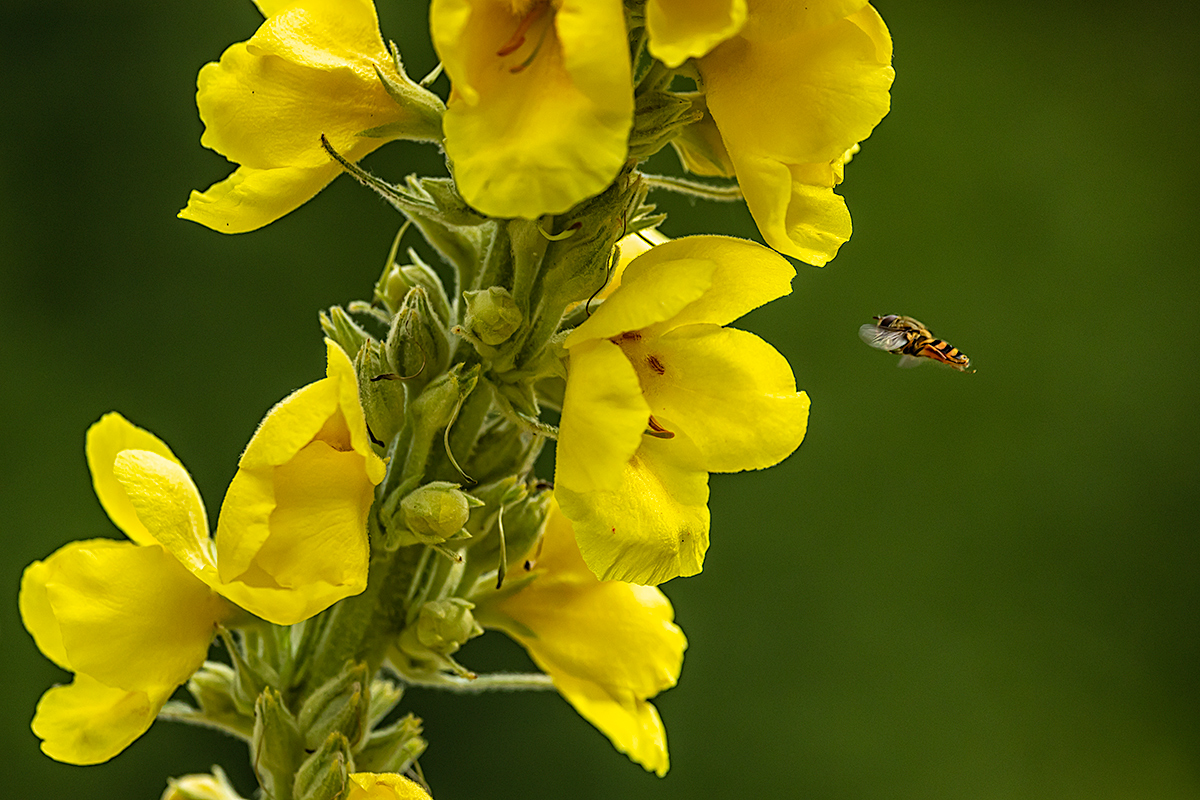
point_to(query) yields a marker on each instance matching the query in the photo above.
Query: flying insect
(913, 342)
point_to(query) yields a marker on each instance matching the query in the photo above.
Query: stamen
(658, 431)
(533, 55)
(514, 43)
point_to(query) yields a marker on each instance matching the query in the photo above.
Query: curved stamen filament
(658, 431)
(518, 38)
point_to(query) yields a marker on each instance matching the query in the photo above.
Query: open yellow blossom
(314, 67)
(659, 394)
(608, 646)
(133, 620)
(791, 94)
(541, 102)
(292, 537)
(132, 623)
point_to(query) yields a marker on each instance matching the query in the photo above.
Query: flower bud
(382, 398)
(398, 279)
(275, 743)
(500, 450)
(392, 749)
(418, 344)
(337, 706)
(436, 511)
(492, 315)
(212, 687)
(441, 628)
(325, 773)
(347, 333)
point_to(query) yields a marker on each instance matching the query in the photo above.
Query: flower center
(517, 40)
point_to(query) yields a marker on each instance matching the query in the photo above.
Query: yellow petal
(251, 198)
(310, 515)
(309, 70)
(701, 149)
(652, 527)
(795, 207)
(776, 19)
(730, 392)
(36, 612)
(291, 537)
(655, 287)
(609, 646)
(804, 99)
(111, 434)
(168, 503)
(384, 786)
(89, 723)
(744, 276)
(632, 725)
(603, 418)
(549, 135)
(683, 29)
(131, 617)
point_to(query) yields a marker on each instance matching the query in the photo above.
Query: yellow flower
(384, 786)
(659, 394)
(792, 94)
(541, 102)
(133, 620)
(309, 70)
(608, 646)
(291, 539)
(132, 623)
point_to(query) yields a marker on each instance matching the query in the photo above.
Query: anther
(658, 431)
(514, 43)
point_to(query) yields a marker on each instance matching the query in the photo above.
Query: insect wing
(908, 362)
(883, 338)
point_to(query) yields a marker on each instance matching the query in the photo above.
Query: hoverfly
(912, 341)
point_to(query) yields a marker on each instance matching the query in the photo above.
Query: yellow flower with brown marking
(541, 101)
(659, 394)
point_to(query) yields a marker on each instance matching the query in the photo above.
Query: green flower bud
(337, 706)
(443, 626)
(392, 749)
(325, 774)
(212, 686)
(383, 399)
(348, 334)
(659, 116)
(436, 511)
(492, 315)
(385, 696)
(418, 344)
(502, 449)
(276, 744)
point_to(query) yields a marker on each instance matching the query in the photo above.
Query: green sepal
(344, 331)
(276, 744)
(340, 705)
(325, 775)
(212, 686)
(659, 116)
(418, 344)
(392, 749)
(385, 696)
(382, 395)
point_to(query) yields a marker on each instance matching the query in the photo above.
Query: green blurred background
(961, 586)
